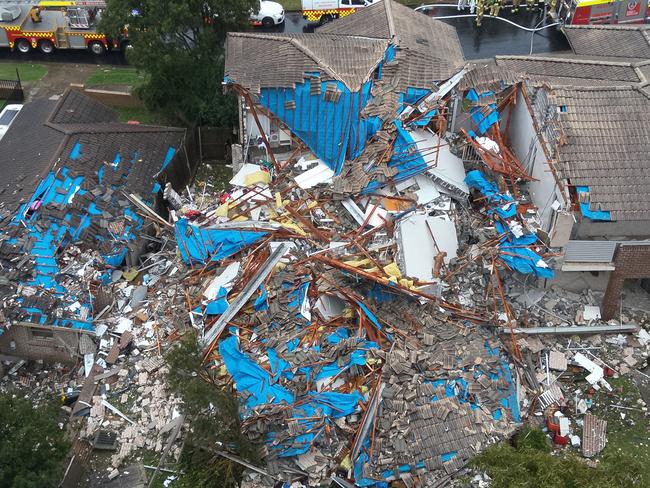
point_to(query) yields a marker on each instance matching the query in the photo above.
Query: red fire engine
(585, 12)
(50, 25)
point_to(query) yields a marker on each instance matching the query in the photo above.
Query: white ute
(268, 15)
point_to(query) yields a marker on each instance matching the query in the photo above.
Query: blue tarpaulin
(251, 378)
(502, 204)
(601, 215)
(333, 130)
(514, 252)
(199, 245)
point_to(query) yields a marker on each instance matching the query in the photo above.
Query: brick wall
(41, 343)
(631, 262)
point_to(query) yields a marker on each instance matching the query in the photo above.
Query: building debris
(376, 295)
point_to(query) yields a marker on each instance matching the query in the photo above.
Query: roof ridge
(308, 52)
(567, 60)
(388, 10)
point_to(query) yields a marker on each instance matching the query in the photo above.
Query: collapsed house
(69, 169)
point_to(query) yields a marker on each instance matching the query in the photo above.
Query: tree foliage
(214, 414)
(32, 446)
(179, 44)
(528, 463)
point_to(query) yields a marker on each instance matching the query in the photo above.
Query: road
(492, 38)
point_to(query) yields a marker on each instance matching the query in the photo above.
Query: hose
(461, 16)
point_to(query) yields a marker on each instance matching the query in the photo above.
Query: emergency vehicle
(325, 10)
(50, 25)
(592, 12)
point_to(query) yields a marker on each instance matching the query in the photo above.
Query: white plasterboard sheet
(224, 280)
(240, 178)
(442, 163)
(417, 248)
(320, 173)
(428, 189)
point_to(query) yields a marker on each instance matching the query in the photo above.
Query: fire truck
(323, 11)
(50, 25)
(586, 12)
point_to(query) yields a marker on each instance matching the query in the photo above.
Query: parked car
(268, 15)
(7, 116)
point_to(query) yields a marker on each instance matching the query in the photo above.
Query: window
(43, 334)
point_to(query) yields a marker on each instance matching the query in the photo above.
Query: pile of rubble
(371, 328)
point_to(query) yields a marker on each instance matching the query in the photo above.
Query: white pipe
(462, 16)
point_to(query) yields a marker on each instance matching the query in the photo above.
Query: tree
(214, 416)
(179, 45)
(32, 446)
(529, 463)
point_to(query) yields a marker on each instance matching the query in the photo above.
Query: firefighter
(480, 8)
(530, 5)
(552, 6)
(35, 14)
(495, 6)
(515, 6)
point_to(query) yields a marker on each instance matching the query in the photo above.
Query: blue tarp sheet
(333, 130)
(502, 204)
(518, 257)
(198, 245)
(601, 215)
(251, 378)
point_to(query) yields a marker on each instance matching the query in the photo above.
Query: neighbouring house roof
(257, 61)
(556, 71)
(40, 132)
(607, 147)
(623, 41)
(432, 48)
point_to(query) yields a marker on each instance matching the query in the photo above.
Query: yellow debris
(346, 463)
(278, 200)
(222, 210)
(257, 177)
(392, 270)
(358, 263)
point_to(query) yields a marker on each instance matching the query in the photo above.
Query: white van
(7, 116)
(268, 15)
(325, 10)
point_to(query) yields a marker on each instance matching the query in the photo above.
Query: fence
(12, 90)
(214, 143)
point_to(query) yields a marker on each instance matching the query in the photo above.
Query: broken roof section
(73, 191)
(428, 50)
(325, 89)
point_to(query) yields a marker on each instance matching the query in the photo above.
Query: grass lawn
(142, 115)
(27, 71)
(114, 76)
(290, 5)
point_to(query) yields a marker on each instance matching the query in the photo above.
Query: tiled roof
(281, 60)
(571, 71)
(610, 40)
(433, 47)
(26, 152)
(607, 147)
(76, 108)
(43, 130)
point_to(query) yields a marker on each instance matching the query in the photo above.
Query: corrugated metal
(590, 251)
